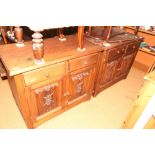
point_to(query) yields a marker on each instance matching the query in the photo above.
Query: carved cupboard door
(45, 97)
(80, 85)
(108, 72)
(125, 65)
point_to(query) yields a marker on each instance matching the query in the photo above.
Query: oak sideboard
(68, 76)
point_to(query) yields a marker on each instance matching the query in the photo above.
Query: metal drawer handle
(85, 62)
(46, 74)
(118, 52)
(66, 94)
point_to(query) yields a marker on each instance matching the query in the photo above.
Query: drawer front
(115, 53)
(82, 62)
(131, 48)
(45, 73)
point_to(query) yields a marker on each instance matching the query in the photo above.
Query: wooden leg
(107, 34)
(109, 29)
(61, 34)
(11, 29)
(137, 29)
(3, 35)
(89, 29)
(81, 38)
(2, 70)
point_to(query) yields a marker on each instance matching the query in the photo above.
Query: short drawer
(115, 53)
(45, 73)
(82, 62)
(131, 48)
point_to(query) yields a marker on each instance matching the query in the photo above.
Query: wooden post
(107, 34)
(61, 34)
(109, 29)
(89, 29)
(81, 38)
(137, 29)
(11, 29)
(3, 34)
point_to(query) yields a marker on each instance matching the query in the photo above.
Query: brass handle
(118, 52)
(85, 62)
(66, 94)
(46, 74)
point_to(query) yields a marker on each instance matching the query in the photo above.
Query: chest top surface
(19, 60)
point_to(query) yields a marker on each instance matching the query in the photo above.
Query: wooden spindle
(3, 34)
(81, 38)
(61, 34)
(136, 30)
(109, 29)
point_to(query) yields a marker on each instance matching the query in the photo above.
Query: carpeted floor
(107, 110)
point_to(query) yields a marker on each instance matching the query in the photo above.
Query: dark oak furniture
(115, 64)
(68, 76)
